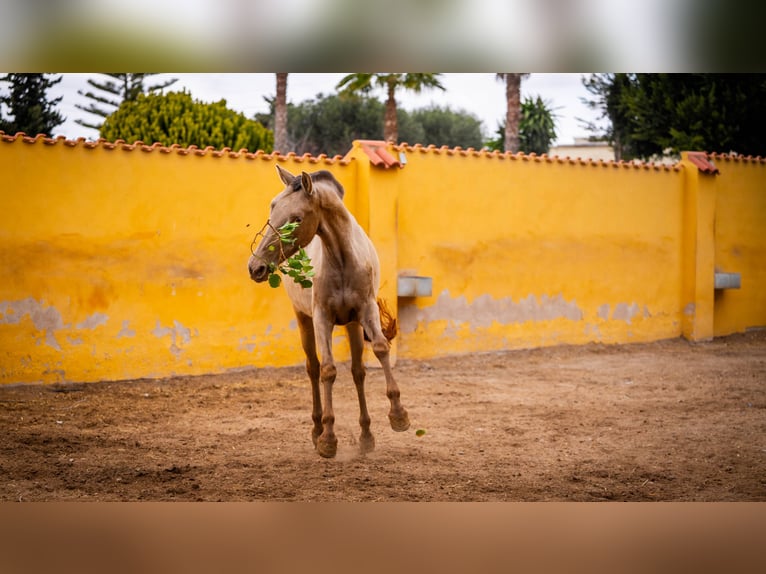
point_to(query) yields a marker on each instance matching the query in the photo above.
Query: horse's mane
(322, 176)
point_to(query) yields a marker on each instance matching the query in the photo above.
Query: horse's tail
(387, 322)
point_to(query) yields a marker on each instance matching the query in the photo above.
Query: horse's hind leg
(306, 327)
(397, 416)
(356, 342)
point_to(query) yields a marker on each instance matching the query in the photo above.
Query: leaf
(275, 280)
(420, 432)
(298, 267)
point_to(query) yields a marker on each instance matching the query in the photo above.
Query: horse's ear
(285, 175)
(307, 184)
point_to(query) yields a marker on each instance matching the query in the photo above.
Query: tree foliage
(537, 128)
(653, 114)
(440, 126)
(28, 104)
(112, 92)
(329, 124)
(611, 97)
(175, 118)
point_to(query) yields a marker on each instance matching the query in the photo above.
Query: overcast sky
(480, 94)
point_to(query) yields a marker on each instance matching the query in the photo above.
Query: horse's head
(297, 203)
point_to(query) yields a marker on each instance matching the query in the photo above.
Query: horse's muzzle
(258, 272)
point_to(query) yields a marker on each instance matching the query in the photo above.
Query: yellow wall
(120, 264)
(740, 243)
(526, 252)
(123, 262)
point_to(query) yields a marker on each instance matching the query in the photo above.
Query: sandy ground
(670, 421)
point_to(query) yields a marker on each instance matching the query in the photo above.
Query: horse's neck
(336, 231)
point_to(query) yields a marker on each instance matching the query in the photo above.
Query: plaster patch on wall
(625, 312)
(47, 319)
(622, 312)
(486, 310)
(94, 321)
(593, 331)
(690, 309)
(177, 332)
(126, 331)
(245, 346)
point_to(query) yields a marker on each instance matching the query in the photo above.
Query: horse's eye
(297, 219)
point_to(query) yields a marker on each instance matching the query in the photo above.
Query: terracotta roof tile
(532, 157)
(737, 157)
(192, 150)
(700, 159)
(378, 154)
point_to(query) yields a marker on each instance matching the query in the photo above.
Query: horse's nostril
(257, 272)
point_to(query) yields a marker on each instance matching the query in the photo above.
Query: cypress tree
(176, 118)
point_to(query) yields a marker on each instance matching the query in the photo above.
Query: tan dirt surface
(671, 421)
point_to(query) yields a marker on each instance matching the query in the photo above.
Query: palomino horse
(346, 281)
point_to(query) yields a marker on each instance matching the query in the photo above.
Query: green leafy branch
(298, 266)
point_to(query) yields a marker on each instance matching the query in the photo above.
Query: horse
(344, 292)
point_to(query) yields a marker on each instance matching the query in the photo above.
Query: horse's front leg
(397, 416)
(306, 328)
(327, 443)
(356, 342)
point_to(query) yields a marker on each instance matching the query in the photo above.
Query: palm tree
(355, 83)
(280, 114)
(513, 110)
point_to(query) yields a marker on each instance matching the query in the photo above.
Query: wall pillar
(698, 288)
(376, 209)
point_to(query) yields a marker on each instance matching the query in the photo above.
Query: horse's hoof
(400, 423)
(327, 447)
(366, 443)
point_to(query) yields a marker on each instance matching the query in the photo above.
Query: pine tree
(120, 88)
(27, 103)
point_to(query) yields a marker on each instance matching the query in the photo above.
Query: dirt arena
(670, 421)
